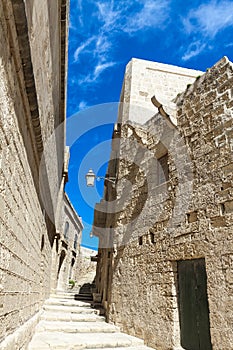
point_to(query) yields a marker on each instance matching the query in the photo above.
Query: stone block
(203, 228)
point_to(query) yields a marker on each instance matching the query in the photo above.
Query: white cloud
(193, 50)
(152, 14)
(133, 15)
(80, 8)
(82, 105)
(204, 23)
(98, 48)
(95, 74)
(113, 18)
(102, 47)
(229, 45)
(82, 48)
(108, 15)
(209, 19)
(80, 5)
(101, 67)
(71, 25)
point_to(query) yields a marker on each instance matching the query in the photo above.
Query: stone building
(165, 266)
(33, 62)
(86, 267)
(70, 246)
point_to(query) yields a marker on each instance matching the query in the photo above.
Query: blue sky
(104, 35)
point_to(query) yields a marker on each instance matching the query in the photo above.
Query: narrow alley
(71, 324)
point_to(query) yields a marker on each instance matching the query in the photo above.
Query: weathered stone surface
(64, 330)
(188, 217)
(69, 249)
(31, 106)
(85, 270)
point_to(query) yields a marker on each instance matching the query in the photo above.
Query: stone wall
(70, 245)
(142, 79)
(31, 105)
(187, 217)
(86, 267)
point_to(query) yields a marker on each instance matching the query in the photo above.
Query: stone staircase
(68, 324)
(85, 293)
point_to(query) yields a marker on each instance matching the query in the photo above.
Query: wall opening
(42, 243)
(162, 172)
(71, 268)
(222, 209)
(152, 237)
(193, 305)
(75, 241)
(66, 229)
(62, 258)
(140, 240)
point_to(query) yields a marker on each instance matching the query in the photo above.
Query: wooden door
(193, 305)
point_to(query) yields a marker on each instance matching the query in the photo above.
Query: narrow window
(66, 229)
(222, 209)
(140, 240)
(163, 169)
(75, 241)
(152, 237)
(42, 243)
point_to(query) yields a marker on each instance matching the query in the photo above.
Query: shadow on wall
(85, 292)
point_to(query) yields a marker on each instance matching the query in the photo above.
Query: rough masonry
(33, 61)
(165, 254)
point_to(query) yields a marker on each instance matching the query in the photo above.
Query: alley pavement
(70, 324)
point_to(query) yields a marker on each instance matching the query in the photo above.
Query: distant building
(165, 270)
(70, 245)
(86, 266)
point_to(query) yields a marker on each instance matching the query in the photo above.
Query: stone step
(85, 300)
(76, 327)
(72, 341)
(69, 316)
(63, 295)
(70, 309)
(85, 293)
(85, 290)
(136, 347)
(68, 324)
(66, 302)
(83, 297)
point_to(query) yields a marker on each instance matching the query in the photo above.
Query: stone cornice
(64, 16)
(20, 18)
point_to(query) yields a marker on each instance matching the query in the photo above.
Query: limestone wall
(86, 268)
(143, 79)
(71, 236)
(188, 217)
(30, 107)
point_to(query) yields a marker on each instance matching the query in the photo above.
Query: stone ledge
(22, 336)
